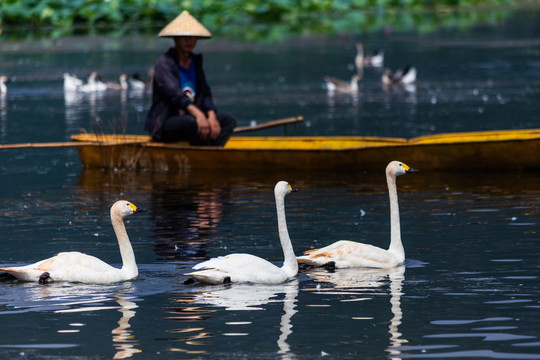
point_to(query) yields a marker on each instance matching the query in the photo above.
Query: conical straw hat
(185, 25)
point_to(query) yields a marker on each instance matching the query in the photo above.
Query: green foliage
(248, 19)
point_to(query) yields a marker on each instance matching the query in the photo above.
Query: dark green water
(469, 289)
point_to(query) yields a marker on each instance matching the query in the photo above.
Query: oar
(265, 125)
(68, 144)
(269, 124)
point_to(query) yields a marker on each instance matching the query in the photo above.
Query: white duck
(350, 254)
(404, 76)
(237, 268)
(375, 59)
(138, 83)
(72, 83)
(122, 83)
(78, 267)
(93, 84)
(336, 85)
(3, 80)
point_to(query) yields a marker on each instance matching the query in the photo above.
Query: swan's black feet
(227, 280)
(189, 281)
(330, 266)
(44, 277)
(304, 267)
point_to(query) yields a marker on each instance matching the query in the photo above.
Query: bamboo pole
(265, 125)
(45, 145)
(269, 124)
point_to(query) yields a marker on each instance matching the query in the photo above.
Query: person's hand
(215, 128)
(203, 126)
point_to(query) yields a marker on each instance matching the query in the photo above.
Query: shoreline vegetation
(251, 20)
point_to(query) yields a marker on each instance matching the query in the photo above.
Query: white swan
(249, 268)
(340, 86)
(350, 254)
(78, 267)
(3, 80)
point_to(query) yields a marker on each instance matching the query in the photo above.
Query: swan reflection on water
(365, 282)
(70, 299)
(241, 297)
(122, 336)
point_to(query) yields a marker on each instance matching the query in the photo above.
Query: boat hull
(496, 150)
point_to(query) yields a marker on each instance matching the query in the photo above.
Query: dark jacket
(167, 96)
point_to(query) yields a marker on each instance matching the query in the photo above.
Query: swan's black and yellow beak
(409, 169)
(292, 189)
(136, 209)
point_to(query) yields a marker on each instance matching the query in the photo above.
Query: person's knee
(227, 121)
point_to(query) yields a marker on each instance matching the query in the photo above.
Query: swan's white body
(72, 82)
(350, 254)
(78, 267)
(237, 268)
(340, 86)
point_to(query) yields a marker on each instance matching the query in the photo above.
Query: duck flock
(404, 77)
(95, 84)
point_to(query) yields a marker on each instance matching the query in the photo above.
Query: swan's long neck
(396, 247)
(129, 266)
(290, 264)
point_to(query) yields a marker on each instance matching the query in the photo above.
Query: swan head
(124, 208)
(397, 168)
(283, 189)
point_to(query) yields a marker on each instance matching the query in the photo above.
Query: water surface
(470, 284)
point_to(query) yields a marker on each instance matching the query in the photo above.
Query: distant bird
(78, 267)
(122, 83)
(94, 84)
(404, 76)
(376, 58)
(3, 80)
(72, 82)
(240, 267)
(335, 85)
(137, 82)
(351, 254)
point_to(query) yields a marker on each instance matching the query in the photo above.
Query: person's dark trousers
(184, 128)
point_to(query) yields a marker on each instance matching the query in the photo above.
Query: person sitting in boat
(182, 108)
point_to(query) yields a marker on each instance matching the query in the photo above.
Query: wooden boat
(485, 150)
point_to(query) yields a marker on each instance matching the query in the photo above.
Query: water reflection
(81, 105)
(363, 283)
(185, 219)
(185, 209)
(3, 115)
(123, 337)
(63, 298)
(237, 297)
